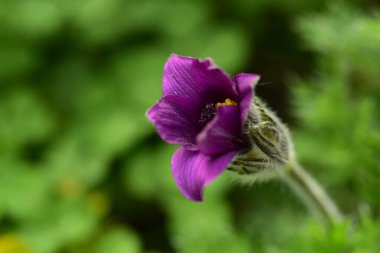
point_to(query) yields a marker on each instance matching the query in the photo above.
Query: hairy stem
(312, 194)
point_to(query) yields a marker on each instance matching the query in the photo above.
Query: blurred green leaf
(119, 241)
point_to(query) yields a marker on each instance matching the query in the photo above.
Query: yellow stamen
(227, 102)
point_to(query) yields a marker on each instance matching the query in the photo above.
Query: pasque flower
(221, 125)
(203, 110)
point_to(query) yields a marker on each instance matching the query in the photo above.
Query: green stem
(312, 194)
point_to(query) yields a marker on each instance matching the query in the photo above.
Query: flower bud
(270, 145)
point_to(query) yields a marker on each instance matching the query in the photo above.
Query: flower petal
(215, 84)
(223, 133)
(178, 79)
(193, 170)
(246, 84)
(187, 76)
(176, 119)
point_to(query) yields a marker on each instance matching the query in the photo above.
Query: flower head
(203, 110)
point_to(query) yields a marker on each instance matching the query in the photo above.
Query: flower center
(227, 102)
(209, 111)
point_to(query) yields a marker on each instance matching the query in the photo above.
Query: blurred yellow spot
(69, 187)
(227, 102)
(11, 243)
(99, 203)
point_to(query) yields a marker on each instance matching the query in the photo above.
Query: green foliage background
(82, 170)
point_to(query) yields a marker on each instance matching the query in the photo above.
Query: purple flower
(203, 110)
